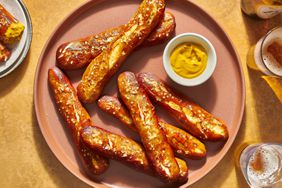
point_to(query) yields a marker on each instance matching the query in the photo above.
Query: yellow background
(27, 161)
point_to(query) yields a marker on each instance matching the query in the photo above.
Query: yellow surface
(188, 60)
(27, 161)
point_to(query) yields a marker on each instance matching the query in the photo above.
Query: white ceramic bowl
(193, 38)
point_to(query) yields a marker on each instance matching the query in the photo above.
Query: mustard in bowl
(189, 59)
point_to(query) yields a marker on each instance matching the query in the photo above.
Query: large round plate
(223, 95)
(19, 49)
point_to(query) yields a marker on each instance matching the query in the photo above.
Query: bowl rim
(207, 73)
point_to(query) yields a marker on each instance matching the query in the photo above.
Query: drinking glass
(266, 54)
(261, 165)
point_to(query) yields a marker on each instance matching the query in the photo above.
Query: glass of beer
(261, 165)
(266, 54)
(264, 9)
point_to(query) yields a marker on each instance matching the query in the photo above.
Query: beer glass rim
(261, 49)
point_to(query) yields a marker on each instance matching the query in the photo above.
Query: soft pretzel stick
(102, 68)
(191, 116)
(181, 142)
(79, 53)
(123, 149)
(115, 147)
(143, 114)
(75, 117)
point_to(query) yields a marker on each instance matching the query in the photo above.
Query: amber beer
(261, 165)
(266, 54)
(262, 8)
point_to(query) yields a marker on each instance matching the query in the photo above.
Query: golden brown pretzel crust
(101, 69)
(142, 112)
(123, 149)
(163, 31)
(181, 142)
(191, 116)
(113, 106)
(116, 147)
(75, 117)
(79, 53)
(5, 53)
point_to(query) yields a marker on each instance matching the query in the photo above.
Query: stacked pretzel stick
(79, 53)
(76, 117)
(104, 53)
(106, 64)
(191, 116)
(181, 142)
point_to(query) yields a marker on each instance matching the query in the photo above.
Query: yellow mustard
(13, 32)
(188, 60)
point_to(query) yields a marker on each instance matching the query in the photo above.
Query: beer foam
(269, 61)
(271, 171)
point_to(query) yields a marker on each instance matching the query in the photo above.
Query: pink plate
(223, 94)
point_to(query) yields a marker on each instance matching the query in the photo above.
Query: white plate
(19, 49)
